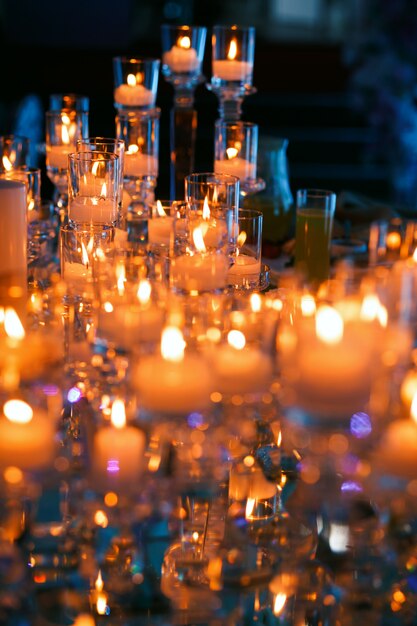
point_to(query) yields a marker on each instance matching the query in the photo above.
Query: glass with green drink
(313, 232)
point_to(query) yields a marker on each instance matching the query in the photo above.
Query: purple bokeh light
(74, 394)
(360, 425)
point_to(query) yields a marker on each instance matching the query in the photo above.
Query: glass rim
(221, 178)
(153, 113)
(105, 140)
(316, 193)
(126, 59)
(237, 123)
(96, 155)
(234, 27)
(249, 213)
(51, 113)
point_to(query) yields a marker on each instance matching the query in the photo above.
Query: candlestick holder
(135, 83)
(140, 132)
(63, 129)
(236, 152)
(93, 188)
(232, 68)
(182, 57)
(14, 152)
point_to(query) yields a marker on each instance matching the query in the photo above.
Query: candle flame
(139, 78)
(144, 291)
(12, 324)
(393, 240)
(308, 305)
(184, 42)
(121, 277)
(255, 302)
(118, 414)
(65, 134)
(131, 80)
(18, 411)
(7, 163)
(232, 153)
(65, 119)
(250, 506)
(198, 239)
(241, 238)
(95, 167)
(231, 55)
(329, 325)
(280, 600)
(206, 209)
(103, 191)
(101, 604)
(413, 409)
(172, 344)
(370, 307)
(236, 339)
(84, 253)
(133, 148)
(415, 256)
(160, 209)
(84, 620)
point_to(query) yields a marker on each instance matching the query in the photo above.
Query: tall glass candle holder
(140, 132)
(110, 145)
(63, 129)
(232, 67)
(236, 153)
(135, 83)
(182, 57)
(31, 177)
(93, 188)
(13, 151)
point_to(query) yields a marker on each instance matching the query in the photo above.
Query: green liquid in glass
(312, 243)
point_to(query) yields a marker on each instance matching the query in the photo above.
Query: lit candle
(397, 453)
(173, 382)
(239, 368)
(230, 69)
(212, 229)
(118, 457)
(181, 58)
(139, 164)
(199, 272)
(160, 226)
(236, 166)
(98, 210)
(245, 269)
(26, 436)
(248, 481)
(133, 93)
(13, 231)
(57, 156)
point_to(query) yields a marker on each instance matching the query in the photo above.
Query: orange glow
(172, 344)
(118, 414)
(184, 42)
(329, 325)
(231, 55)
(18, 411)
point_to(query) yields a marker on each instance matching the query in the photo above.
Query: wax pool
(139, 164)
(232, 70)
(181, 59)
(237, 166)
(133, 95)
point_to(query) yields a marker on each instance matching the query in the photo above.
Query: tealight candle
(132, 94)
(200, 272)
(239, 368)
(140, 164)
(160, 227)
(57, 156)
(84, 209)
(118, 452)
(173, 382)
(242, 168)
(244, 269)
(232, 70)
(181, 58)
(26, 436)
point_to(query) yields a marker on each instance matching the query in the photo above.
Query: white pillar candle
(139, 164)
(160, 230)
(13, 231)
(84, 209)
(27, 436)
(77, 276)
(118, 457)
(133, 95)
(227, 69)
(180, 59)
(245, 269)
(200, 272)
(237, 166)
(57, 156)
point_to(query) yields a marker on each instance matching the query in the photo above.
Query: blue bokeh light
(360, 425)
(195, 420)
(351, 486)
(74, 394)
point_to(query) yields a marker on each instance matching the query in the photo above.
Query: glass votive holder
(81, 253)
(247, 260)
(13, 151)
(315, 210)
(236, 150)
(93, 188)
(63, 129)
(69, 101)
(195, 270)
(232, 57)
(135, 82)
(31, 177)
(140, 132)
(106, 144)
(391, 240)
(182, 53)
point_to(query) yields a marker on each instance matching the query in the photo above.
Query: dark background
(300, 74)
